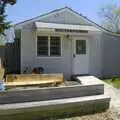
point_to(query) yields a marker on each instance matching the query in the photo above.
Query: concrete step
(89, 80)
(55, 108)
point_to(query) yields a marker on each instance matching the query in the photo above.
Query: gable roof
(72, 11)
(37, 18)
(40, 16)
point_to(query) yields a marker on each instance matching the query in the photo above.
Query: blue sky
(26, 9)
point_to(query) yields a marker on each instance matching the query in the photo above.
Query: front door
(80, 56)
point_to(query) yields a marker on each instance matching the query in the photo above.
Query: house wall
(104, 55)
(27, 49)
(57, 64)
(61, 64)
(30, 59)
(110, 55)
(95, 57)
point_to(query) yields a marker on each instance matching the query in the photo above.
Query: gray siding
(111, 56)
(50, 64)
(104, 55)
(58, 65)
(61, 64)
(65, 17)
(27, 49)
(95, 54)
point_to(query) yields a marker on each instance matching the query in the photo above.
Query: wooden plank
(32, 79)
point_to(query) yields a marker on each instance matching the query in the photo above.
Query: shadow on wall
(10, 56)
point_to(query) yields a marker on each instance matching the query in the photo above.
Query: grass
(115, 82)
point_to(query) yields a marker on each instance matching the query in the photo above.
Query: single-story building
(64, 41)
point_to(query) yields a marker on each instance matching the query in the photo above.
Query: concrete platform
(89, 80)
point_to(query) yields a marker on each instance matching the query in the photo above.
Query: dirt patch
(69, 83)
(31, 87)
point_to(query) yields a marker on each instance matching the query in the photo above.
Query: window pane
(42, 45)
(55, 46)
(80, 46)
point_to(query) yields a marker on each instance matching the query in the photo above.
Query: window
(42, 46)
(80, 47)
(55, 45)
(48, 46)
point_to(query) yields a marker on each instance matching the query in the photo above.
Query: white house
(62, 41)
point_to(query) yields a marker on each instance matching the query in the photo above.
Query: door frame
(74, 51)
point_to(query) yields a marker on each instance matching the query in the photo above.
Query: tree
(3, 24)
(111, 17)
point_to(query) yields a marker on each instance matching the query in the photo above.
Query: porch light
(67, 36)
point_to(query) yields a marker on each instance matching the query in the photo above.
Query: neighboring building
(63, 41)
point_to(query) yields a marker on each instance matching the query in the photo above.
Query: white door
(80, 56)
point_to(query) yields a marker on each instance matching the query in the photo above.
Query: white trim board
(64, 26)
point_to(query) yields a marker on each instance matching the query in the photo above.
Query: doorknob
(74, 55)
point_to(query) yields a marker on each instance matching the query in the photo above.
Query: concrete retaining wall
(44, 94)
(55, 108)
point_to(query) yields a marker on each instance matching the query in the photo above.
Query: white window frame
(49, 56)
(76, 47)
